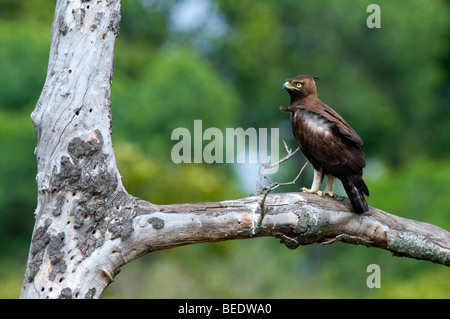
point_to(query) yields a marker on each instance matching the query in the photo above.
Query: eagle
(327, 141)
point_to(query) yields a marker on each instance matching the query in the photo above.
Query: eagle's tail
(356, 188)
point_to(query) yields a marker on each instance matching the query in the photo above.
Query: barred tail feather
(356, 194)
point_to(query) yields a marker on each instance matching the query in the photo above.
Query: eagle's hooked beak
(285, 85)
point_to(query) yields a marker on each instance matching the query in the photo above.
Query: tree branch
(295, 218)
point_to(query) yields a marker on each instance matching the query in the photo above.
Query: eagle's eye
(298, 84)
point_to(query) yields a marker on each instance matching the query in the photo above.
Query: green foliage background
(226, 67)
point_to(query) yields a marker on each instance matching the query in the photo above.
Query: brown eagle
(328, 142)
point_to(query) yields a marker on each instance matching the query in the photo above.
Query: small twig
(263, 212)
(262, 168)
(265, 190)
(274, 185)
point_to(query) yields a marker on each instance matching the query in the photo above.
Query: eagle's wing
(328, 141)
(342, 127)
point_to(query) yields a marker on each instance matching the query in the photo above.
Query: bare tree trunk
(80, 194)
(88, 226)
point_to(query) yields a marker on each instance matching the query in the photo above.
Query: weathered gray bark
(80, 195)
(88, 226)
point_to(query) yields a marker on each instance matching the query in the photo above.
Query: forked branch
(273, 185)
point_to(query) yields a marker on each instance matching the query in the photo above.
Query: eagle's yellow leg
(329, 189)
(311, 191)
(316, 183)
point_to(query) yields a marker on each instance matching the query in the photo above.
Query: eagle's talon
(329, 193)
(306, 190)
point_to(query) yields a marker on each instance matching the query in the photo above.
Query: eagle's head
(301, 86)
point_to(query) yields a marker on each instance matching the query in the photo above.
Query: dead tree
(87, 225)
